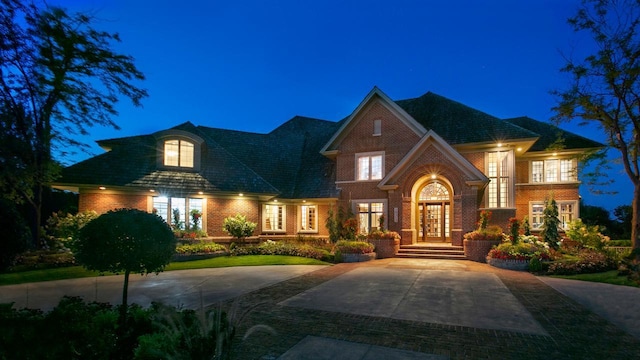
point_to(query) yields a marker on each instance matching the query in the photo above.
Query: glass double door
(434, 222)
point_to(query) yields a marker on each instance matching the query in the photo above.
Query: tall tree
(59, 76)
(605, 87)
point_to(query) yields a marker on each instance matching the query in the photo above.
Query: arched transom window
(434, 191)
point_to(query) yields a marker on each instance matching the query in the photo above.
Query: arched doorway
(434, 213)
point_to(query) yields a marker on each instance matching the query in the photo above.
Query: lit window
(369, 214)
(178, 153)
(369, 167)
(174, 211)
(535, 216)
(308, 218)
(274, 218)
(553, 170)
(566, 214)
(499, 179)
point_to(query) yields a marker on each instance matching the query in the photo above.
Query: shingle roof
(458, 123)
(549, 134)
(287, 161)
(287, 157)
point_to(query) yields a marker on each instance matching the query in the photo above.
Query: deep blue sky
(252, 65)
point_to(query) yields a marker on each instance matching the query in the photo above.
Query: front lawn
(608, 277)
(74, 272)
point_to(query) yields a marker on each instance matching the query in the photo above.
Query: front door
(434, 222)
(434, 206)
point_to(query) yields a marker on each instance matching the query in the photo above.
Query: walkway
(383, 309)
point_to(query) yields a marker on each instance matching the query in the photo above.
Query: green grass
(75, 272)
(609, 277)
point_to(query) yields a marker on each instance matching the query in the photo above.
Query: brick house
(428, 165)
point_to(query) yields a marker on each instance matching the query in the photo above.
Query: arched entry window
(434, 205)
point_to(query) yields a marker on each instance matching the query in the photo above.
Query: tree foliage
(58, 77)
(605, 87)
(125, 240)
(550, 222)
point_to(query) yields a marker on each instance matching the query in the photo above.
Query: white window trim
(301, 219)
(284, 219)
(203, 218)
(180, 141)
(369, 154)
(559, 171)
(511, 176)
(385, 209)
(576, 214)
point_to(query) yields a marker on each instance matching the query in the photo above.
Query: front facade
(425, 166)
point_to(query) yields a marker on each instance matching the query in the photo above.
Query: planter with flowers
(354, 251)
(478, 243)
(386, 243)
(518, 255)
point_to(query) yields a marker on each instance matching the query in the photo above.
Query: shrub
(550, 222)
(589, 261)
(238, 226)
(279, 248)
(377, 234)
(520, 251)
(44, 259)
(586, 235)
(491, 233)
(619, 243)
(514, 229)
(354, 247)
(199, 248)
(62, 229)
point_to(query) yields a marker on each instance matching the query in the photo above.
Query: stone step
(431, 252)
(431, 256)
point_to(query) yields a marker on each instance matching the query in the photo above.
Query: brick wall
(528, 193)
(102, 202)
(396, 140)
(219, 209)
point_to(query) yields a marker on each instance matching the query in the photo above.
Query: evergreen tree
(550, 222)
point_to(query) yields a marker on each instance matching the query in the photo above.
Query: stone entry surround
(570, 330)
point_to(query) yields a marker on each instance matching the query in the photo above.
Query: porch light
(102, 188)
(519, 149)
(433, 176)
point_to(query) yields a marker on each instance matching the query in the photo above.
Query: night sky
(252, 65)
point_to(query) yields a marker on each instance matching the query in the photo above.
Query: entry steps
(443, 252)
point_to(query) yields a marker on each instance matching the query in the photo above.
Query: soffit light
(151, 190)
(241, 194)
(102, 188)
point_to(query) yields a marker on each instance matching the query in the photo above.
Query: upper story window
(377, 127)
(178, 153)
(553, 170)
(499, 172)
(369, 166)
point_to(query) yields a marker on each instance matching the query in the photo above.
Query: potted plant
(478, 242)
(386, 243)
(354, 251)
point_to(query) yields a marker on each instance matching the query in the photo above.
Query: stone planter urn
(509, 264)
(477, 250)
(385, 247)
(349, 258)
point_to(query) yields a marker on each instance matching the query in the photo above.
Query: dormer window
(178, 153)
